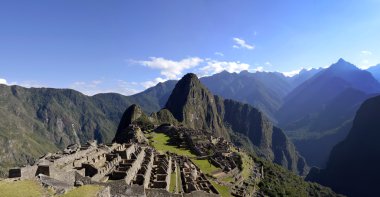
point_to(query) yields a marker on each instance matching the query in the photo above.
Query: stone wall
(135, 167)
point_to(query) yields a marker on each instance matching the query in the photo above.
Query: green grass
(223, 190)
(84, 191)
(247, 165)
(160, 142)
(172, 186)
(227, 179)
(179, 181)
(279, 181)
(26, 188)
(205, 166)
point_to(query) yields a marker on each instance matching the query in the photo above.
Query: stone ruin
(204, 144)
(137, 169)
(192, 178)
(124, 169)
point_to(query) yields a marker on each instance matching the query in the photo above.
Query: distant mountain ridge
(263, 90)
(319, 112)
(375, 71)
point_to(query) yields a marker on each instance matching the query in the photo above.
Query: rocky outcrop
(353, 166)
(125, 131)
(194, 106)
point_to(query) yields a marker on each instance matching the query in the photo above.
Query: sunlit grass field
(160, 142)
(25, 188)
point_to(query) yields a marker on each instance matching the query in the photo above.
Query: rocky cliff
(271, 141)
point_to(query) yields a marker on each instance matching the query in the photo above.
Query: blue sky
(125, 46)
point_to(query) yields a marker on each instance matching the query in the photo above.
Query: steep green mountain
(375, 71)
(151, 100)
(38, 120)
(353, 166)
(194, 106)
(319, 111)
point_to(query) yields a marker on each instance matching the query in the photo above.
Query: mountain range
(319, 112)
(315, 108)
(263, 90)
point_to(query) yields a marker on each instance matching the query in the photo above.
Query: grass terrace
(160, 142)
(25, 188)
(84, 191)
(227, 179)
(223, 190)
(172, 187)
(247, 166)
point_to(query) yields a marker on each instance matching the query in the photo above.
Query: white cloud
(259, 69)
(240, 43)
(214, 66)
(126, 88)
(292, 73)
(3, 81)
(296, 72)
(148, 84)
(169, 68)
(28, 84)
(98, 86)
(365, 64)
(366, 52)
(268, 64)
(219, 54)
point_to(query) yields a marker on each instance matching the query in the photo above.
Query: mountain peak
(244, 72)
(190, 76)
(341, 60)
(224, 72)
(343, 65)
(192, 104)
